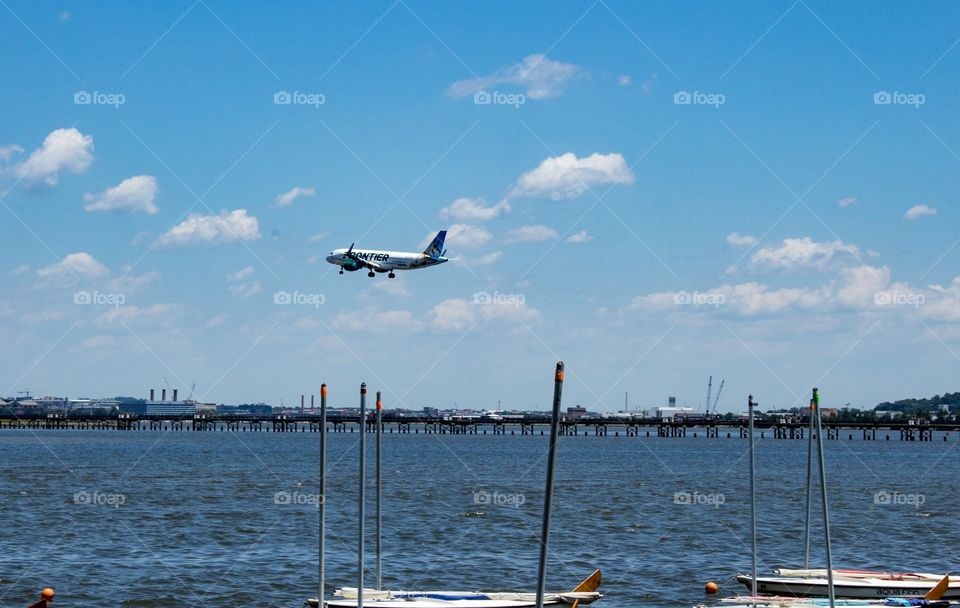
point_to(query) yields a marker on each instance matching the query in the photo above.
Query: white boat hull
(857, 588)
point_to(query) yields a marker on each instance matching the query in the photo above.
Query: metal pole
(753, 503)
(548, 495)
(362, 513)
(379, 494)
(323, 487)
(823, 498)
(806, 527)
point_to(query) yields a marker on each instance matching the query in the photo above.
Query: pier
(527, 426)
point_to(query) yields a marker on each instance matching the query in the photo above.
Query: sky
(653, 193)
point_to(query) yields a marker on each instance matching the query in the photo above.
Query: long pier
(599, 427)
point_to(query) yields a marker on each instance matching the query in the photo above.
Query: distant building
(173, 407)
(669, 413)
(577, 412)
(431, 412)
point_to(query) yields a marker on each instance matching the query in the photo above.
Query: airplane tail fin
(435, 248)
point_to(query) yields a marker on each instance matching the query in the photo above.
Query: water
(183, 519)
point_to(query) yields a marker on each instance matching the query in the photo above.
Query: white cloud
(216, 321)
(245, 290)
(486, 259)
(472, 210)
(241, 274)
(735, 239)
(227, 227)
(9, 151)
(458, 314)
(919, 211)
(126, 314)
(647, 86)
(316, 238)
(377, 321)
(581, 237)
(132, 194)
(848, 201)
(801, 253)
(62, 150)
(80, 264)
(22, 269)
(462, 236)
(453, 315)
(393, 287)
(129, 282)
(539, 76)
(566, 176)
(286, 199)
(624, 80)
(531, 234)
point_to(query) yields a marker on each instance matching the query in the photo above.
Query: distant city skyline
(653, 194)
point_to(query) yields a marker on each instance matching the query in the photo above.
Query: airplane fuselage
(383, 261)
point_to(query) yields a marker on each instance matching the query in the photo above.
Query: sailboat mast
(548, 495)
(823, 498)
(753, 502)
(806, 527)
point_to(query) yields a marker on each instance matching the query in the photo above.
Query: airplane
(376, 260)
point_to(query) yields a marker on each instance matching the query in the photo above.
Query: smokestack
(163, 394)
(151, 394)
(301, 403)
(174, 394)
(311, 402)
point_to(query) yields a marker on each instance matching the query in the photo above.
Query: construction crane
(192, 388)
(719, 390)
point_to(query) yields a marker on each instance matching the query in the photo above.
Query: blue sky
(653, 193)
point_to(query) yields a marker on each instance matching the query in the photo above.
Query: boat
(863, 586)
(583, 593)
(774, 601)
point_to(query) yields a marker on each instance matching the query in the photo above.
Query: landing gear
(370, 274)
(391, 275)
(341, 271)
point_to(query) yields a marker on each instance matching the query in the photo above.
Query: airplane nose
(331, 258)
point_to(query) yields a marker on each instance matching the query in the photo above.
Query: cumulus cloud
(580, 237)
(473, 210)
(132, 194)
(566, 176)
(243, 273)
(458, 314)
(537, 75)
(80, 264)
(735, 239)
(531, 234)
(624, 80)
(245, 290)
(802, 253)
(9, 151)
(286, 199)
(462, 236)
(848, 201)
(919, 211)
(62, 150)
(376, 321)
(486, 259)
(126, 314)
(227, 227)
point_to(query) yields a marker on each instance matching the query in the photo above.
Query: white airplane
(376, 260)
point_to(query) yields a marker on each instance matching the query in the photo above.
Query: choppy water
(199, 523)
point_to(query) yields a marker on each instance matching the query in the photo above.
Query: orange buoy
(711, 587)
